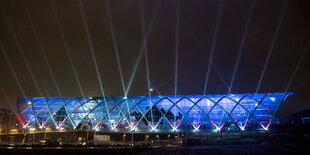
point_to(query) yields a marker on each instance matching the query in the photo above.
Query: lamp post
(157, 138)
(124, 135)
(34, 135)
(87, 135)
(146, 138)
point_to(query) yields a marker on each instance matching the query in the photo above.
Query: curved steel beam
(55, 111)
(98, 106)
(112, 110)
(68, 115)
(237, 103)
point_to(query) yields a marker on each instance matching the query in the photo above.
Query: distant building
(181, 113)
(303, 116)
(298, 123)
(7, 120)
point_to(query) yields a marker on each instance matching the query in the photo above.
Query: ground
(259, 149)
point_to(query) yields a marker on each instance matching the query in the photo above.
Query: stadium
(181, 113)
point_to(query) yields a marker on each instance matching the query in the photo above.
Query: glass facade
(156, 113)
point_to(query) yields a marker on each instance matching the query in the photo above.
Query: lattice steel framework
(144, 113)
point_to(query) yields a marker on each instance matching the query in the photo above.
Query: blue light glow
(273, 99)
(181, 112)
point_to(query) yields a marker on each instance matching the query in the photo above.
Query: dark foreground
(262, 148)
(259, 149)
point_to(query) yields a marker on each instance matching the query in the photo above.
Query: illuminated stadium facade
(181, 113)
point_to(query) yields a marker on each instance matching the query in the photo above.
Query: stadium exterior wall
(181, 113)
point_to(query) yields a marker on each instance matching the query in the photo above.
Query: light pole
(124, 135)
(87, 135)
(25, 134)
(157, 138)
(34, 136)
(146, 138)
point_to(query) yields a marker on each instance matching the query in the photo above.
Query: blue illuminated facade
(156, 113)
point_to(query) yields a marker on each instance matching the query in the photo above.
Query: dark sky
(197, 26)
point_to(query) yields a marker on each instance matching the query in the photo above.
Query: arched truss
(182, 112)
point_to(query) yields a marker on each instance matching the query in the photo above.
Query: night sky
(36, 29)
